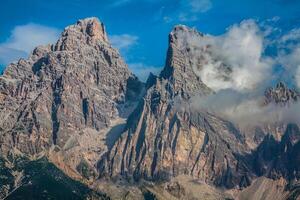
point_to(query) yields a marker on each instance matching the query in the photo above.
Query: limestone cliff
(165, 137)
(60, 101)
(76, 104)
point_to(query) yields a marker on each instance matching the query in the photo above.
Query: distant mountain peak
(281, 94)
(77, 104)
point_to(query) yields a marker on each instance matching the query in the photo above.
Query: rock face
(179, 65)
(64, 95)
(277, 159)
(164, 137)
(281, 95)
(76, 103)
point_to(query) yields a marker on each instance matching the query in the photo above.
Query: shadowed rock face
(279, 159)
(65, 94)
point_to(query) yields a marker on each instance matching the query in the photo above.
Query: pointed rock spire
(86, 31)
(179, 67)
(94, 28)
(281, 94)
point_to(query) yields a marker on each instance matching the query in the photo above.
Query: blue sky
(138, 27)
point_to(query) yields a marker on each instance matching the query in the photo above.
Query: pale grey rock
(281, 95)
(165, 137)
(77, 103)
(66, 95)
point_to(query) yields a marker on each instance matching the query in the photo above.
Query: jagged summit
(77, 103)
(180, 29)
(65, 97)
(90, 26)
(94, 28)
(163, 138)
(281, 94)
(179, 67)
(86, 31)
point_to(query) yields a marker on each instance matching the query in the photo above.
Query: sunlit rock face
(65, 96)
(165, 137)
(76, 103)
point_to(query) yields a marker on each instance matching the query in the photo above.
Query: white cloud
(124, 41)
(200, 5)
(233, 60)
(8, 55)
(293, 35)
(289, 55)
(239, 95)
(24, 39)
(291, 62)
(190, 9)
(241, 48)
(142, 71)
(246, 110)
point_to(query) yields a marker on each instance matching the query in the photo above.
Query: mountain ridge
(76, 103)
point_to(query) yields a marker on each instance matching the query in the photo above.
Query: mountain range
(77, 124)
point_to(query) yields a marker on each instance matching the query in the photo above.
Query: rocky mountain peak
(66, 95)
(179, 67)
(86, 31)
(94, 28)
(77, 103)
(281, 94)
(180, 31)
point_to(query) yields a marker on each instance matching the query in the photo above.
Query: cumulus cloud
(246, 110)
(142, 71)
(293, 35)
(291, 62)
(233, 60)
(123, 41)
(23, 39)
(8, 55)
(234, 65)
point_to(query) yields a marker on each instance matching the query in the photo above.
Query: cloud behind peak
(23, 39)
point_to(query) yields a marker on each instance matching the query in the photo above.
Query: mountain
(281, 94)
(60, 101)
(165, 138)
(75, 119)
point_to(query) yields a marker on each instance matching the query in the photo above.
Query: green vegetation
(85, 170)
(43, 180)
